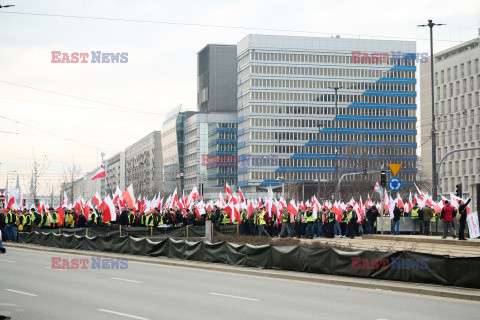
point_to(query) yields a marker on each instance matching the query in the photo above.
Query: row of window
(329, 58)
(287, 176)
(455, 69)
(459, 135)
(301, 123)
(450, 92)
(322, 84)
(315, 97)
(446, 107)
(467, 167)
(291, 149)
(331, 111)
(313, 136)
(450, 183)
(458, 120)
(331, 72)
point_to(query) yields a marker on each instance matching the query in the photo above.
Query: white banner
(473, 229)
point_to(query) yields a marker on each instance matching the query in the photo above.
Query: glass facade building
(285, 94)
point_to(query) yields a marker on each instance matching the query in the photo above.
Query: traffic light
(383, 179)
(458, 190)
(365, 170)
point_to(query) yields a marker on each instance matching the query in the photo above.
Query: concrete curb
(423, 240)
(363, 283)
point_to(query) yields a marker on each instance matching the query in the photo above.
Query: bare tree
(53, 188)
(70, 175)
(38, 169)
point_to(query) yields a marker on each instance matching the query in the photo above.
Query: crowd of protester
(306, 224)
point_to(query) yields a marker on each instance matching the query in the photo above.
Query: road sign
(394, 184)
(395, 167)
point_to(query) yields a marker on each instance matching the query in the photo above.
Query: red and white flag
(97, 199)
(240, 194)
(100, 173)
(292, 208)
(108, 209)
(377, 188)
(228, 190)
(128, 197)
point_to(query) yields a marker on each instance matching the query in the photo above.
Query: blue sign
(394, 184)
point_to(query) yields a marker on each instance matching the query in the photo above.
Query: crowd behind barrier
(305, 224)
(400, 266)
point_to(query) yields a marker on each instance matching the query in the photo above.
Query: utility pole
(318, 151)
(336, 141)
(431, 24)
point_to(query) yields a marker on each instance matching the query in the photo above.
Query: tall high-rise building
(457, 116)
(285, 92)
(216, 77)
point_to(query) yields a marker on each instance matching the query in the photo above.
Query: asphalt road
(30, 289)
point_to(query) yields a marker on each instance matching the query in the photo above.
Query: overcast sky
(161, 69)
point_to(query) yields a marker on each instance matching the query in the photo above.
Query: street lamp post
(336, 141)
(318, 151)
(431, 24)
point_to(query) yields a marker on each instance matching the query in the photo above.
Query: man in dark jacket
(462, 209)
(448, 212)
(178, 218)
(372, 215)
(396, 221)
(123, 220)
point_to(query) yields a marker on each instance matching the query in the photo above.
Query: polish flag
(410, 203)
(200, 209)
(108, 209)
(194, 194)
(377, 188)
(227, 189)
(419, 192)
(86, 210)
(100, 173)
(61, 216)
(240, 194)
(117, 196)
(128, 196)
(96, 199)
(250, 209)
(400, 201)
(292, 208)
(233, 212)
(175, 197)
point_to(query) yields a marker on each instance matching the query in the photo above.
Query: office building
(285, 93)
(216, 78)
(144, 166)
(457, 116)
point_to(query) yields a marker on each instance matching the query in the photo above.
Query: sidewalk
(363, 283)
(422, 244)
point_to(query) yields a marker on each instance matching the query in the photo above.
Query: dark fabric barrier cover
(215, 252)
(400, 266)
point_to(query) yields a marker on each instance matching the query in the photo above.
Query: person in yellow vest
(331, 220)
(344, 223)
(92, 219)
(149, 219)
(46, 220)
(26, 221)
(243, 222)
(262, 223)
(132, 218)
(54, 215)
(309, 220)
(352, 221)
(69, 221)
(414, 214)
(224, 218)
(285, 224)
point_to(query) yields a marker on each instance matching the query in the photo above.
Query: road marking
(5, 304)
(21, 292)
(7, 260)
(55, 269)
(229, 296)
(120, 279)
(122, 314)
